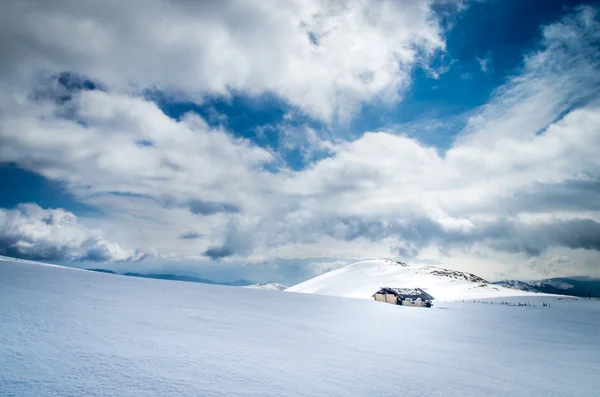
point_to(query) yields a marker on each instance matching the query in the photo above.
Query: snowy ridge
(572, 286)
(268, 286)
(362, 279)
(516, 284)
(553, 283)
(537, 286)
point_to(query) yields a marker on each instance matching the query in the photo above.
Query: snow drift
(363, 279)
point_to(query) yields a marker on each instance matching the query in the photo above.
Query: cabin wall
(380, 297)
(408, 302)
(387, 298)
(392, 299)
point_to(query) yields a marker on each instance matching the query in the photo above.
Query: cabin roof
(406, 293)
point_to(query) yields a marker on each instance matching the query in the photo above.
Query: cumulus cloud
(324, 57)
(30, 232)
(520, 181)
(96, 150)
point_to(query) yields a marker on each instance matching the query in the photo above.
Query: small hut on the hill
(404, 296)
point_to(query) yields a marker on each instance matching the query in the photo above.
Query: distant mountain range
(173, 277)
(572, 286)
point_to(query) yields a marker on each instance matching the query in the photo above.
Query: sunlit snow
(363, 279)
(75, 333)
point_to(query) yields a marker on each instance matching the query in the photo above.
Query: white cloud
(484, 63)
(29, 231)
(520, 182)
(96, 151)
(325, 57)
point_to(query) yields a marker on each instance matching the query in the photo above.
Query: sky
(277, 140)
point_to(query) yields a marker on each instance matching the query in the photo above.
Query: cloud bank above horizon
(516, 192)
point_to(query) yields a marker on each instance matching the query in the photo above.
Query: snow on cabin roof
(406, 293)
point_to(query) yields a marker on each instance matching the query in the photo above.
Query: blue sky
(497, 33)
(449, 132)
(478, 33)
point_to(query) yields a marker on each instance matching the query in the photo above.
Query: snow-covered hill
(65, 332)
(269, 286)
(363, 279)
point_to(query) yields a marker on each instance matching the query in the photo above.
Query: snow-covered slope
(268, 286)
(363, 279)
(34, 263)
(76, 333)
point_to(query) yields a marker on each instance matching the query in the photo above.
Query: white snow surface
(74, 333)
(269, 286)
(363, 279)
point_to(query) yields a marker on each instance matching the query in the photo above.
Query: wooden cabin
(415, 297)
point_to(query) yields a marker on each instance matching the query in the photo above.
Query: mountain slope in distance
(174, 277)
(363, 279)
(269, 286)
(573, 286)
